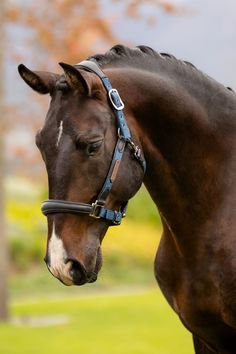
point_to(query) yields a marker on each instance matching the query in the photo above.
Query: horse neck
(188, 158)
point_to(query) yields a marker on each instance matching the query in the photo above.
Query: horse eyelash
(86, 145)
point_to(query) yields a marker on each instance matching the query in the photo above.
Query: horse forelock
(62, 84)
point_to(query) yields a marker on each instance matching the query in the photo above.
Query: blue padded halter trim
(117, 156)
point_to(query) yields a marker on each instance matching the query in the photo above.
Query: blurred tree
(67, 29)
(3, 246)
(73, 29)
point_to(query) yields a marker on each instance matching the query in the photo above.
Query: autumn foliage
(73, 29)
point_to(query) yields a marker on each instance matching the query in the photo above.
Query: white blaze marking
(60, 132)
(57, 255)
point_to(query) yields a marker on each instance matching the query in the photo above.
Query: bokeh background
(124, 311)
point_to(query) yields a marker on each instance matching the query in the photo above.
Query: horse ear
(40, 81)
(76, 79)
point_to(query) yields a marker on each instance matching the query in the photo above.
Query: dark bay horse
(181, 124)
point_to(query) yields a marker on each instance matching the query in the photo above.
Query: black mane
(154, 61)
(120, 52)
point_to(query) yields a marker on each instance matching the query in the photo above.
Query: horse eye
(92, 148)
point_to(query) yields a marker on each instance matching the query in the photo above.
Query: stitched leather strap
(91, 66)
(53, 206)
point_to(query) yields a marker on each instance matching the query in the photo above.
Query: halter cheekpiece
(97, 209)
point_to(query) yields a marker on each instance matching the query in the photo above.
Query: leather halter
(97, 209)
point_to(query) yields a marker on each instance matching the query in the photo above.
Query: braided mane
(122, 53)
(145, 57)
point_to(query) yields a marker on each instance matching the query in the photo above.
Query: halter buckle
(136, 149)
(115, 99)
(96, 208)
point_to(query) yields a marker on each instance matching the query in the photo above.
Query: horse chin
(89, 276)
(92, 277)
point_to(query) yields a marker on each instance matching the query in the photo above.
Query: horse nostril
(77, 272)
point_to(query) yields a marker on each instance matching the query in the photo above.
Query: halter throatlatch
(97, 209)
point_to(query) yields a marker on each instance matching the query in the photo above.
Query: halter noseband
(97, 209)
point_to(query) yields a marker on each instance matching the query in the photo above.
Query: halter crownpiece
(97, 209)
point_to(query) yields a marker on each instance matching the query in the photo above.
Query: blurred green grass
(140, 323)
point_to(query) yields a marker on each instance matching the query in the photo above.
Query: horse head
(78, 142)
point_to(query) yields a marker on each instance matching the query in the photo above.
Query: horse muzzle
(71, 271)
